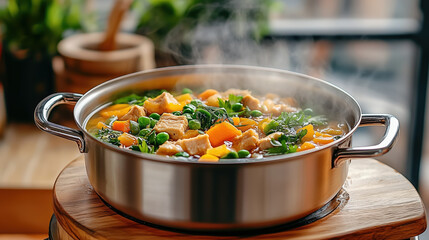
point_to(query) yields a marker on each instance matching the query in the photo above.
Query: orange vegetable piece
(127, 139)
(207, 93)
(323, 139)
(184, 99)
(220, 151)
(221, 132)
(247, 124)
(305, 146)
(172, 107)
(310, 133)
(119, 111)
(123, 126)
(236, 120)
(208, 158)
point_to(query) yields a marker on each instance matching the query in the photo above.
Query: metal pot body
(234, 195)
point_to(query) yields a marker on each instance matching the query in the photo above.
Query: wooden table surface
(31, 158)
(382, 205)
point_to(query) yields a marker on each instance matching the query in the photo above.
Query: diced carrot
(123, 126)
(102, 125)
(127, 139)
(208, 158)
(172, 107)
(207, 93)
(153, 107)
(305, 146)
(115, 111)
(246, 124)
(184, 99)
(310, 132)
(236, 120)
(323, 139)
(220, 151)
(221, 132)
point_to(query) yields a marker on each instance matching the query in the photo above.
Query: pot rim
(239, 161)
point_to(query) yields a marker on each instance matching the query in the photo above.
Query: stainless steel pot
(235, 195)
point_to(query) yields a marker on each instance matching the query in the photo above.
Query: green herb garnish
(109, 136)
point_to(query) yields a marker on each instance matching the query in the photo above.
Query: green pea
(255, 113)
(231, 155)
(243, 153)
(153, 122)
(145, 132)
(177, 113)
(134, 127)
(162, 137)
(143, 121)
(187, 90)
(236, 107)
(194, 124)
(110, 120)
(182, 154)
(155, 116)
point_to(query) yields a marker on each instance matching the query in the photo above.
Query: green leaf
(131, 99)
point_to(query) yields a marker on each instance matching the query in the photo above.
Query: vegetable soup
(211, 125)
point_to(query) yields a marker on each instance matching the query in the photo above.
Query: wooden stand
(382, 205)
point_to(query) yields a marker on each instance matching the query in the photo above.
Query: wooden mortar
(83, 66)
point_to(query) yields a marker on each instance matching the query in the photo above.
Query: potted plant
(31, 30)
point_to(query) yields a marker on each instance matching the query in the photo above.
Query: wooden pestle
(115, 18)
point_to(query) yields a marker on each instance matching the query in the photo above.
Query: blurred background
(375, 50)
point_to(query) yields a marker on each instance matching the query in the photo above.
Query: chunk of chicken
(169, 148)
(234, 91)
(191, 134)
(251, 102)
(269, 107)
(265, 142)
(163, 103)
(174, 125)
(196, 145)
(134, 113)
(248, 140)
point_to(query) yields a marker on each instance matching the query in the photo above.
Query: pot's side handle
(392, 129)
(43, 109)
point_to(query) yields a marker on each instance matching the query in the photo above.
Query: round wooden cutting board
(382, 204)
